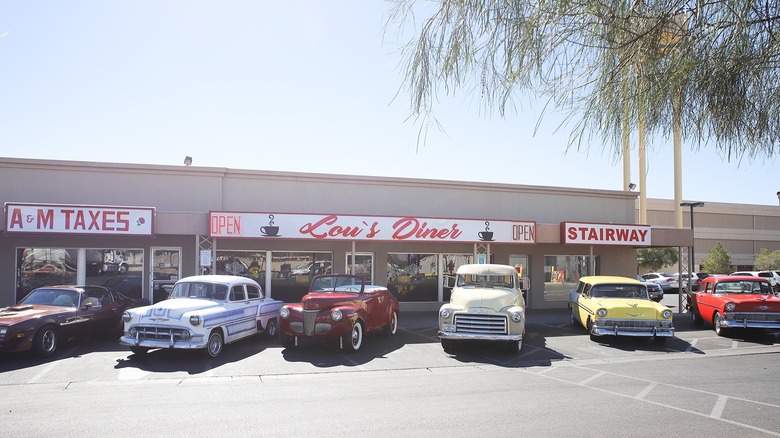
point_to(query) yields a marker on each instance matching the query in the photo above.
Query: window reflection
(118, 269)
(37, 267)
(561, 274)
(413, 277)
(292, 272)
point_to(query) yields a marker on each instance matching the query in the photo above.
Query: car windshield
(337, 283)
(743, 287)
(486, 280)
(209, 291)
(619, 291)
(52, 297)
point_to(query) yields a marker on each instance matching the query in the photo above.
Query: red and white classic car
(341, 307)
(733, 301)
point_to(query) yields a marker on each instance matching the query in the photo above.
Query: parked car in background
(49, 316)
(738, 301)
(486, 304)
(339, 307)
(203, 312)
(772, 276)
(695, 279)
(668, 282)
(618, 306)
(654, 290)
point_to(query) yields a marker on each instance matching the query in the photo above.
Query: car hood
(22, 312)
(177, 308)
(754, 302)
(495, 299)
(631, 308)
(319, 300)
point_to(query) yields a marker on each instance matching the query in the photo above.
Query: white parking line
(717, 410)
(647, 390)
(42, 373)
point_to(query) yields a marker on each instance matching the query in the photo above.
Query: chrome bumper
(659, 332)
(190, 344)
(479, 337)
(730, 323)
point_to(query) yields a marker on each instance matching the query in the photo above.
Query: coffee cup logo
(487, 235)
(270, 230)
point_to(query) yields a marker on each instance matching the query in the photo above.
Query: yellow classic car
(486, 305)
(618, 306)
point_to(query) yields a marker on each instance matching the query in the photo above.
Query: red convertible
(341, 307)
(733, 301)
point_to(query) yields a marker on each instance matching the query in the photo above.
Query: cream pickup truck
(486, 305)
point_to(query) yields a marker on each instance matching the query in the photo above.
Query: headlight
(666, 314)
(517, 316)
(127, 317)
(602, 313)
(284, 313)
(444, 313)
(3, 330)
(132, 331)
(194, 319)
(730, 306)
(336, 315)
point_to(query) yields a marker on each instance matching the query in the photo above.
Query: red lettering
(225, 225)
(610, 234)
(108, 220)
(643, 233)
(16, 219)
(93, 223)
(411, 227)
(622, 235)
(67, 214)
(121, 219)
(79, 222)
(45, 219)
(318, 229)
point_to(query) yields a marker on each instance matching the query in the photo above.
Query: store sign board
(367, 228)
(605, 234)
(79, 219)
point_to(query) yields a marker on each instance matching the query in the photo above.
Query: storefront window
(250, 264)
(364, 265)
(520, 262)
(292, 273)
(413, 277)
(451, 264)
(561, 274)
(37, 267)
(118, 269)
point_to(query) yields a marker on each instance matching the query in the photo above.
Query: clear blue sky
(300, 85)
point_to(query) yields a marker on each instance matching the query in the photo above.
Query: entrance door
(451, 263)
(166, 270)
(520, 262)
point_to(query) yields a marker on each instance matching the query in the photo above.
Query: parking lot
(550, 339)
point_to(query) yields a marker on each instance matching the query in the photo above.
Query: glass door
(166, 270)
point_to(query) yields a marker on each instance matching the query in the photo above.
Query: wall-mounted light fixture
(187, 161)
(631, 186)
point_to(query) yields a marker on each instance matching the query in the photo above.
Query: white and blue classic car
(205, 311)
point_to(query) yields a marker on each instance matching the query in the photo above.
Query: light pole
(690, 204)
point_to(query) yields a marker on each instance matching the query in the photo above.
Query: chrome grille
(309, 317)
(481, 324)
(629, 323)
(157, 333)
(762, 317)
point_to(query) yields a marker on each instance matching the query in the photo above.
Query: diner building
(139, 228)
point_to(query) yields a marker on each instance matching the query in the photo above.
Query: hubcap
(48, 340)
